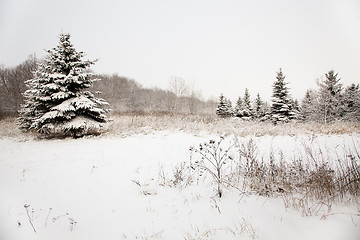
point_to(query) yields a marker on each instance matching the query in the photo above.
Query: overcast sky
(223, 46)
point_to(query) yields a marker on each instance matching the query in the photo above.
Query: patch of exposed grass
(197, 124)
(129, 124)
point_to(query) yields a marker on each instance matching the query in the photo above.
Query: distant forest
(123, 94)
(126, 95)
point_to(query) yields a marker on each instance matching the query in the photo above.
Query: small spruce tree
(281, 108)
(308, 110)
(352, 102)
(248, 112)
(224, 108)
(258, 107)
(57, 99)
(239, 108)
(330, 95)
(230, 109)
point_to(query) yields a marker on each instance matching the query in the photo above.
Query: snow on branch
(81, 122)
(65, 106)
(82, 102)
(50, 115)
(60, 95)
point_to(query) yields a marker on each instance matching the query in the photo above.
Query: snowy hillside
(116, 188)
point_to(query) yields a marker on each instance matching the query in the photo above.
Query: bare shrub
(212, 158)
(308, 183)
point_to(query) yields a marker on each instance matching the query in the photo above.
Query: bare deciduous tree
(12, 85)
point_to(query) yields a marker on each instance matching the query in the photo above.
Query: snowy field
(112, 187)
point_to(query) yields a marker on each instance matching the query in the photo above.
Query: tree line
(12, 85)
(331, 101)
(124, 95)
(127, 95)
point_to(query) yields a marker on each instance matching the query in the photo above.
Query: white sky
(223, 46)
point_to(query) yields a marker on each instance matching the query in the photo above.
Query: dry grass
(129, 124)
(8, 128)
(306, 182)
(336, 179)
(197, 124)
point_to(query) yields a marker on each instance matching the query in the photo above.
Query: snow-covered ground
(110, 188)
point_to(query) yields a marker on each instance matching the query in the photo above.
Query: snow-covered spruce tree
(258, 107)
(281, 108)
(239, 108)
(224, 108)
(308, 109)
(230, 109)
(352, 102)
(248, 112)
(57, 101)
(330, 95)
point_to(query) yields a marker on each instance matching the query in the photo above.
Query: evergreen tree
(239, 108)
(224, 108)
(352, 102)
(248, 112)
(308, 106)
(330, 103)
(230, 109)
(267, 111)
(281, 108)
(57, 100)
(259, 107)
